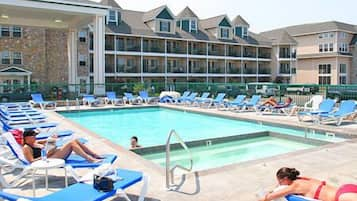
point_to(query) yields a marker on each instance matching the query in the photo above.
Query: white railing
(170, 171)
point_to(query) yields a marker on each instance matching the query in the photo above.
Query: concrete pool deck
(335, 163)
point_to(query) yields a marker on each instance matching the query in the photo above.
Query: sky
(262, 15)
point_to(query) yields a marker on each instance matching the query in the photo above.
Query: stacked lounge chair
(90, 100)
(112, 98)
(204, 98)
(37, 99)
(130, 98)
(325, 107)
(237, 102)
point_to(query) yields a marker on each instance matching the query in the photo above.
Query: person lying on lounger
(309, 187)
(32, 149)
(272, 102)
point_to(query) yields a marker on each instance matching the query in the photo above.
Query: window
(343, 80)
(165, 26)
(332, 35)
(82, 36)
(343, 47)
(244, 31)
(326, 47)
(293, 71)
(326, 35)
(5, 31)
(5, 57)
(324, 80)
(82, 60)
(17, 58)
(193, 25)
(112, 16)
(331, 47)
(224, 33)
(343, 68)
(16, 31)
(343, 35)
(321, 48)
(284, 68)
(325, 69)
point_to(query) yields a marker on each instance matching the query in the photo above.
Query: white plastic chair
(315, 102)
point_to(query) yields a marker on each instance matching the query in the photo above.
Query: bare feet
(94, 160)
(98, 156)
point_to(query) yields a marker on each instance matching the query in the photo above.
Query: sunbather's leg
(88, 150)
(74, 146)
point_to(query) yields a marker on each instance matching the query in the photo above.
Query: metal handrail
(170, 172)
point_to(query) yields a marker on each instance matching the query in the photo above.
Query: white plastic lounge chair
(112, 98)
(86, 192)
(37, 99)
(325, 107)
(73, 161)
(346, 109)
(90, 100)
(315, 102)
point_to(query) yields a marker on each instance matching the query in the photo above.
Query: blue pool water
(152, 125)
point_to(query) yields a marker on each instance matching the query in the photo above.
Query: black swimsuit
(36, 152)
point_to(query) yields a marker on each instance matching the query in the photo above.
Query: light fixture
(4, 16)
(58, 20)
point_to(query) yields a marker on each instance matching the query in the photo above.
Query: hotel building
(81, 42)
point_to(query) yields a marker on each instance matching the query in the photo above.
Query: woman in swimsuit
(32, 149)
(309, 187)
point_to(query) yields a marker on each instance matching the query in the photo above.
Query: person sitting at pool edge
(134, 142)
(32, 149)
(272, 102)
(309, 187)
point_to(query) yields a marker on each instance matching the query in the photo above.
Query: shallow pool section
(152, 125)
(217, 155)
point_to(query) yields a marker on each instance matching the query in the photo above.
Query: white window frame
(221, 32)
(19, 31)
(193, 25)
(8, 57)
(344, 47)
(115, 16)
(20, 58)
(82, 34)
(169, 23)
(330, 46)
(244, 31)
(82, 58)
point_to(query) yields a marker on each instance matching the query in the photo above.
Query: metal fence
(11, 93)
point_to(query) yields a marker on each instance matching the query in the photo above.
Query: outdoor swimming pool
(152, 125)
(217, 155)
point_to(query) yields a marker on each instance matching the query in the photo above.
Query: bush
(138, 87)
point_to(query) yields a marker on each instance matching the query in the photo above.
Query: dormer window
(165, 26)
(241, 31)
(113, 17)
(224, 33)
(193, 26)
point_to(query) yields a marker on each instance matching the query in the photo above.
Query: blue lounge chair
(182, 98)
(189, 99)
(325, 107)
(298, 198)
(130, 98)
(203, 99)
(280, 108)
(62, 133)
(27, 126)
(73, 161)
(238, 101)
(251, 104)
(346, 109)
(37, 99)
(144, 95)
(90, 100)
(86, 192)
(218, 101)
(112, 98)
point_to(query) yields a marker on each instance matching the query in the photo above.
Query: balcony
(264, 55)
(197, 69)
(154, 49)
(153, 69)
(177, 50)
(284, 71)
(233, 70)
(199, 51)
(128, 69)
(250, 70)
(264, 71)
(287, 56)
(216, 70)
(232, 53)
(176, 69)
(249, 54)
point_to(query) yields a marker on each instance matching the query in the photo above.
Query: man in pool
(134, 143)
(309, 187)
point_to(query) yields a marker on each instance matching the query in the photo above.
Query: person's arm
(291, 189)
(28, 154)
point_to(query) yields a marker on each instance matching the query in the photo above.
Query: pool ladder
(170, 171)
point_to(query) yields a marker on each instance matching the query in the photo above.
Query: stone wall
(33, 49)
(56, 56)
